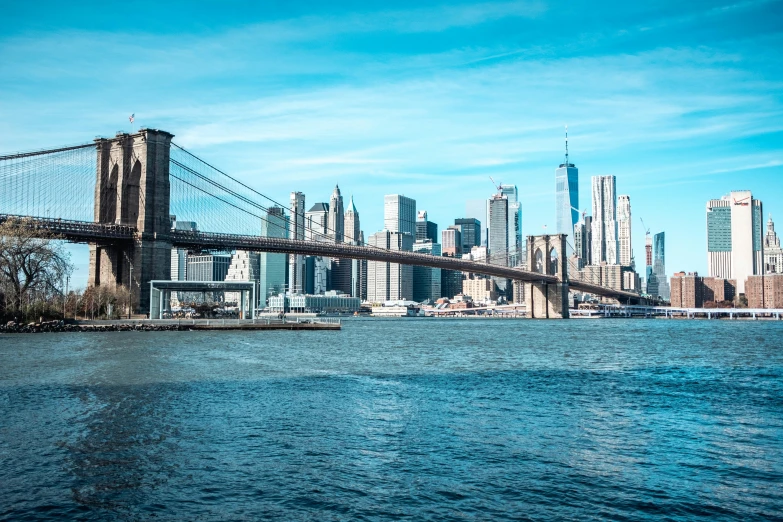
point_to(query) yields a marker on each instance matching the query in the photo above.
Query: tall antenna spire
(566, 141)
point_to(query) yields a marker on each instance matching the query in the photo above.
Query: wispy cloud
(439, 18)
(740, 168)
(427, 100)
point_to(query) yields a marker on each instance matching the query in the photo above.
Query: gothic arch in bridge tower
(538, 266)
(546, 299)
(108, 196)
(552, 262)
(131, 194)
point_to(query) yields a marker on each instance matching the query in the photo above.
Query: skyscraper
(296, 263)
(498, 230)
(582, 244)
(734, 240)
(271, 266)
(317, 223)
(624, 229)
(650, 280)
(426, 280)
(316, 275)
(208, 267)
(389, 281)
(317, 270)
(340, 269)
(353, 236)
(451, 246)
(179, 256)
(773, 254)
(336, 223)
(499, 251)
(351, 224)
(451, 242)
(604, 240)
(359, 282)
(477, 209)
(340, 275)
(514, 224)
(399, 214)
(567, 195)
(470, 229)
(659, 265)
(425, 229)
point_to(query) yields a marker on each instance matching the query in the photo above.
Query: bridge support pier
(109, 265)
(546, 301)
(547, 255)
(132, 188)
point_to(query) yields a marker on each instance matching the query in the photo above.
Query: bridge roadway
(88, 232)
(75, 231)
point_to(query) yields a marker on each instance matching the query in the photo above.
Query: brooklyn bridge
(117, 195)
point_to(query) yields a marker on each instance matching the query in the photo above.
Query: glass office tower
(514, 224)
(471, 232)
(659, 265)
(567, 196)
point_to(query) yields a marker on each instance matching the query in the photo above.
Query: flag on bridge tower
(131, 117)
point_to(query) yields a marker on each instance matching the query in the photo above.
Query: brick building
(675, 297)
(717, 289)
(692, 291)
(754, 291)
(764, 291)
(687, 290)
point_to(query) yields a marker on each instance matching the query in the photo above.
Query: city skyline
(638, 106)
(322, 225)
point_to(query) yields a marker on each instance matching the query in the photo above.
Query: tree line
(35, 268)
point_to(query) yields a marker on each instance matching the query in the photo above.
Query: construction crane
(584, 212)
(646, 230)
(497, 186)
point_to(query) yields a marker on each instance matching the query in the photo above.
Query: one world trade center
(567, 190)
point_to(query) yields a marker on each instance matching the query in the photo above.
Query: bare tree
(71, 303)
(32, 262)
(99, 302)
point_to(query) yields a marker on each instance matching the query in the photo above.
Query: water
(388, 419)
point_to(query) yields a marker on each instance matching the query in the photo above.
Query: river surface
(422, 419)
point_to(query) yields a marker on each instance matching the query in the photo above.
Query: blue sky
(682, 101)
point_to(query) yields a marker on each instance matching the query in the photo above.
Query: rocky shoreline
(60, 326)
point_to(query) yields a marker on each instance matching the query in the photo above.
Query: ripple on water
(389, 419)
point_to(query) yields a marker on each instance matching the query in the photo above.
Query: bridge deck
(87, 232)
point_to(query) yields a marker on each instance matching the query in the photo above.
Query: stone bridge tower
(132, 188)
(547, 255)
